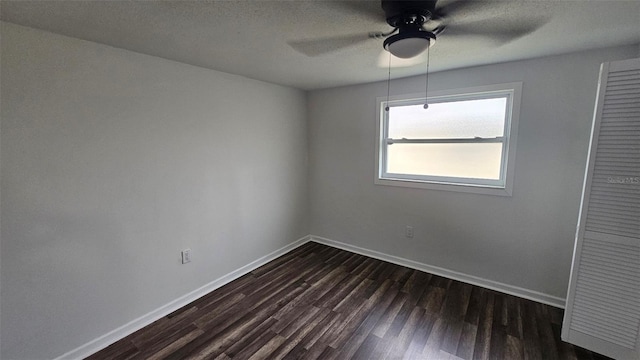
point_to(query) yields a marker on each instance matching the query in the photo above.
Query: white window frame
(502, 187)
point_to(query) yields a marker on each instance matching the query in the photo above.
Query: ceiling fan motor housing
(402, 13)
(408, 17)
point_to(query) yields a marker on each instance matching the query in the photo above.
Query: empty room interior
(319, 179)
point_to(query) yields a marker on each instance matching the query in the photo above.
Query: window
(464, 141)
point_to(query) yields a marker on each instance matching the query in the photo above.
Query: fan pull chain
(426, 87)
(386, 108)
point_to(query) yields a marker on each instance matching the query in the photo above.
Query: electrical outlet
(408, 231)
(186, 256)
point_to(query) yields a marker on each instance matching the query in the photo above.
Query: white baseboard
(470, 279)
(109, 338)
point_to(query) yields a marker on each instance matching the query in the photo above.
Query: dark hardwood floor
(318, 302)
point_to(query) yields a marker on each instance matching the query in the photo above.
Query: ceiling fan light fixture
(408, 44)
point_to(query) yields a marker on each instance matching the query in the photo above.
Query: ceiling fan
(416, 25)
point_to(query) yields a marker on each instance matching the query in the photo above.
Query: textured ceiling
(262, 39)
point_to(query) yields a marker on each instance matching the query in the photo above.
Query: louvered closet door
(603, 304)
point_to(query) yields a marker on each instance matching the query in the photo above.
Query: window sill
(432, 185)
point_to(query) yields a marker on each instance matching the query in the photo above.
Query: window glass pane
(457, 119)
(479, 161)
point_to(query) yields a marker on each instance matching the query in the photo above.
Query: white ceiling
(252, 38)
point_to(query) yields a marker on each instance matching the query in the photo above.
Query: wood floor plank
(399, 321)
(358, 294)
(402, 341)
(434, 341)
(232, 345)
(498, 339)
(236, 324)
(353, 262)
(485, 324)
(208, 347)
(365, 350)
(382, 272)
(452, 336)
(401, 274)
(322, 286)
(251, 304)
(149, 354)
(299, 322)
(217, 309)
(366, 267)
(432, 299)
(319, 302)
(382, 349)
(416, 285)
(532, 344)
(252, 348)
(339, 333)
(281, 262)
(165, 339)
(441, 282)
(466, 344)
(390, 314)
(513, 348)
(420, 336)
(549, 349)
(339, 257)
(173, 328)
(478, 295)
(267, 349)
(316, 350)
(354, 342)
(456, 301)
(331, 298)
(149, 331)
(296, 338)
(325, 325)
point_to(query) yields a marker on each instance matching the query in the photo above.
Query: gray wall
(525, 240)
(112, 162)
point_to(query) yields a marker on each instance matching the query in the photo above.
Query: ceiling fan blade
(462, 10)
(321, 46)
(370, 8)
(500, 32)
